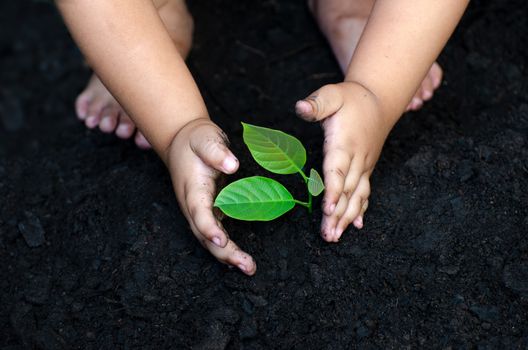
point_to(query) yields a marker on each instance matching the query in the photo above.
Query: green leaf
(255, 198)
(274, 150)
(315, 183)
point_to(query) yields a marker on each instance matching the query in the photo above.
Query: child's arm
(401, 41)
(398, 46)
(130, 50)
(127, 45)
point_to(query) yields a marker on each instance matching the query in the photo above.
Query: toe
(95, 108)
(431, 82)
(436, 74)
(427, 89)
(92, 121)
(427, 94)
(82, 103)
(141, 141)
(126, 127)
(416, 103)
(108, 124)
(108, 117)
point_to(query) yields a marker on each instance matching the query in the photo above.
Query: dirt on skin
(95, 254)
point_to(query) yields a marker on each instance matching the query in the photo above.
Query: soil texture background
(95, 254)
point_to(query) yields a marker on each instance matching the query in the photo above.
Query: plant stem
(304, 204)
(309, 204)
(303, 175)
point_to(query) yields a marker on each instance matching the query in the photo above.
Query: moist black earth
(95, 254)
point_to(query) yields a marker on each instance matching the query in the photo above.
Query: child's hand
(195, 159)
(354, 135)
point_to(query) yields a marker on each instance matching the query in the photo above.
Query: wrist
(376, 103)
(175, 145)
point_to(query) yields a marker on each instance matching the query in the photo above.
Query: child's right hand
(195, 159)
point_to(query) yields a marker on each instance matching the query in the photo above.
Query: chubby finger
(211, 147)
(199, 205)
(321, 104)
(335, 168)
(358, 222)
(354, 175)
(329, 223)
(232, 255)
(355, 205)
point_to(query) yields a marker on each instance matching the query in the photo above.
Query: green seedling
(259, 198)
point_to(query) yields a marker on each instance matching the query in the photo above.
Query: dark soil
(95, 254)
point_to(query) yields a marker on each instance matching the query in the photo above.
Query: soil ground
(95, 254)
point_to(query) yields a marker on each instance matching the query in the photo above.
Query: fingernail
(217, 241)
(303, 107)
(242, 267)
(332, 208)
(230, 164)
(338, 233)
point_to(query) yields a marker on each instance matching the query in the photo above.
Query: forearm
(400, 42)
(127, 45)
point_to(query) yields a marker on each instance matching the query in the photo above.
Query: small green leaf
(315, 183)
(274, 150)
(254, 198)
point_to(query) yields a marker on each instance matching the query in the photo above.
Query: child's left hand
(355, 131)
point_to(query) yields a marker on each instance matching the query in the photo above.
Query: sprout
(259, 198)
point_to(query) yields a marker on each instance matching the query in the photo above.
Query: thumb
(210, 144)
(321, 104)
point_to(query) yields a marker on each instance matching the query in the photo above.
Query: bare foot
(343, 21)
(96, 106)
